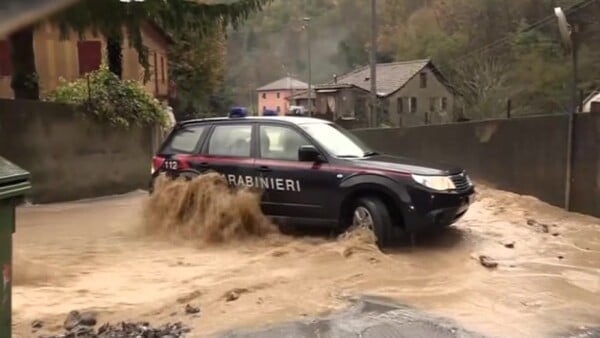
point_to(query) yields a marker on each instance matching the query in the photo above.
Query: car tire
(382, 225)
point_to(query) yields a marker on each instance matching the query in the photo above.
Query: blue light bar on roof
(238, 112)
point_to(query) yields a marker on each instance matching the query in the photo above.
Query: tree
(197, 65)
(483, 86)
(113, 20)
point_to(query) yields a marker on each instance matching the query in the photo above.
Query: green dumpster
(14, 183)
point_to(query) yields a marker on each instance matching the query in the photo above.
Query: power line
(507, 38)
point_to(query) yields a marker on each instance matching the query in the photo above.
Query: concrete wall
(72, 157)
(524, 155)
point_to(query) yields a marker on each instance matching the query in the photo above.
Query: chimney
(334, 78)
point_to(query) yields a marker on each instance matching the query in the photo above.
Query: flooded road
(90, 255)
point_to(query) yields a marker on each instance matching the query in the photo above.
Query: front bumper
(434, 210)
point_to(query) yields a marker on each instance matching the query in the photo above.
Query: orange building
(73, 57)
(273, 96)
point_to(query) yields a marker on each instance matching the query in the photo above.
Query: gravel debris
(75, 318)
(119, 330)
(539, 227)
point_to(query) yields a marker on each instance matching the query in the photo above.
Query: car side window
(280, 143)
(185, 140)
(231, 140)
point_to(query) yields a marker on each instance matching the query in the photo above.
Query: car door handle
(264, 168)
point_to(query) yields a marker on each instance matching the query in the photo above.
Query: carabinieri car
(314, 172)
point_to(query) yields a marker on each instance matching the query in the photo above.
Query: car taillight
(157, 162)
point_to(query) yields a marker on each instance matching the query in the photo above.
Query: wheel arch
(392, 194)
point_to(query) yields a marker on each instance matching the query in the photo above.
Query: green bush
(105, 96)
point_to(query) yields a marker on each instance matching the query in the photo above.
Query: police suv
(313, 172)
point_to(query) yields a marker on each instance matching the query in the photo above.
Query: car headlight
(435, 182)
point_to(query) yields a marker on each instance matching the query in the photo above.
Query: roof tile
(390, 76)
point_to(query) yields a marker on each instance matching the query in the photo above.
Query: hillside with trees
(492, 50)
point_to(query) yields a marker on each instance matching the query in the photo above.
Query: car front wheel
(372, 213)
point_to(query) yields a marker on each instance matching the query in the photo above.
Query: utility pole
(372, 120)
(307, 27)
(568, 34)
(570, 126)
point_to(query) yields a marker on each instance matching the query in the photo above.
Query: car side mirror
(308, 153)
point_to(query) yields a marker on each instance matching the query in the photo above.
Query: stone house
(409, 92)
(73, 57)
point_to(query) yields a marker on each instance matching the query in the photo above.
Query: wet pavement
(370, 317)
(376, 317)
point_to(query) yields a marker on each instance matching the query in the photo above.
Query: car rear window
(184, 140)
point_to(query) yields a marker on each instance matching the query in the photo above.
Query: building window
(444, 103)
(412, 105)
(264, 108)
(400, 105)
(423, 78)
(278, 109)
(385, 108)
(5, 65)
(361, 108)
(277, 94)
(433, 104)
(90, 56)
(264, 95)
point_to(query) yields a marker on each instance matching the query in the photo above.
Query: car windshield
(336, 140)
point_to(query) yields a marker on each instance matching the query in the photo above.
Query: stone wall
(70, 155)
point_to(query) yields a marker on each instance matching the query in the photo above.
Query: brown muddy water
(123, 258)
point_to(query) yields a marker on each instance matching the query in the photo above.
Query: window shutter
(162, 69)
(5, 64)
(90, 56)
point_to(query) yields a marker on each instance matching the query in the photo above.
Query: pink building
(273, 96)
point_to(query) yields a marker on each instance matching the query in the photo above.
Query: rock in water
(72, 320)
(88, 319)
(191, 309)
(488, 262)
(231, 296)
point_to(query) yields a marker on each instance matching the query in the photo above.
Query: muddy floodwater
(100, 255)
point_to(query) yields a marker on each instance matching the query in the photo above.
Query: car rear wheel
(372, 213)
